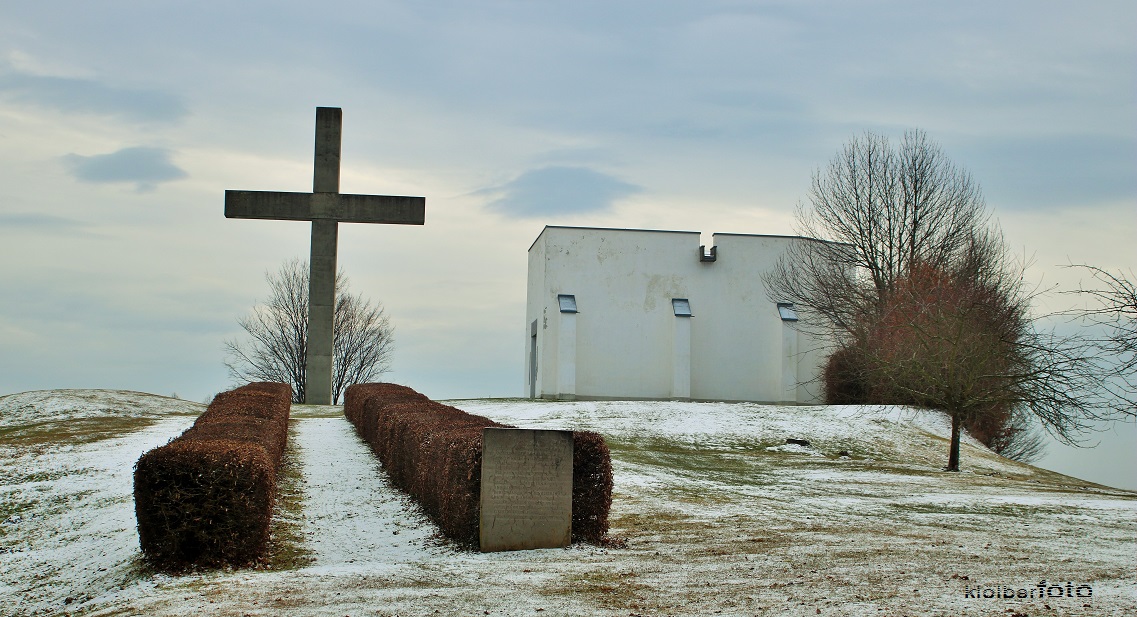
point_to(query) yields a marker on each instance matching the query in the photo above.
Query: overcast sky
(123, 122)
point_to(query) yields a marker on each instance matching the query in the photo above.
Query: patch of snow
(55, 405)
(353, 516)
(79, 533)
(794, 448)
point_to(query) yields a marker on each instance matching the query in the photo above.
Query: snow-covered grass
(720, 516)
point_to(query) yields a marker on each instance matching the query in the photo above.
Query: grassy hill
(719, 516)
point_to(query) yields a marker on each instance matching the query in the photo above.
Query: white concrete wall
(739, 340)
(566, 356)
(681, 359)
(626, 335)
(534, 310)
(623, 283)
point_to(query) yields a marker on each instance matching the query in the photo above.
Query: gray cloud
(577, 156)
(144, 166)
(70, 94)
(1055, 171)
(558, 190)
(31, 221)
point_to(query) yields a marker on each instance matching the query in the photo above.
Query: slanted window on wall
(567, 303)
(681, 307)
(786, 311)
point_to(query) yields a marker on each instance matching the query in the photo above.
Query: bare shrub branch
(877, 211)
(1112, 313)
(362, 336)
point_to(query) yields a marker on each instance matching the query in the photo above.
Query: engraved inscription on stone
(526, 499)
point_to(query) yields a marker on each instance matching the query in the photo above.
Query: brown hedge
(358, 394)
(434, 452)
(591, 486)
(206, 498)
(844, 378)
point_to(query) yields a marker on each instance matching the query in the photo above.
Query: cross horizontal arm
(340, 207)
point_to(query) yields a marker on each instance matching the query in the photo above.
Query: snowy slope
(40, 406)
(719, 516)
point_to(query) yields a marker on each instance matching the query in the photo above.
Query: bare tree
(1113, 313)
(362, 341)
(878, 210)
(362, 335)
(912, 285)
(278, 330)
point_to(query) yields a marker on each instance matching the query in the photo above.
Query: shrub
(206, 498)
(591, 487)
(843, 378)
(434, 452)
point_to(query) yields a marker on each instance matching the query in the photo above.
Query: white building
(643, 314)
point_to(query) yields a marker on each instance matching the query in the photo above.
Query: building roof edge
(661, 231)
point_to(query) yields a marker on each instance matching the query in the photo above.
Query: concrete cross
(325, 206)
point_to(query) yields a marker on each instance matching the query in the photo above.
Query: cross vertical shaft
(322, 262)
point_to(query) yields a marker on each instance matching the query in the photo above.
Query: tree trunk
(953, 450)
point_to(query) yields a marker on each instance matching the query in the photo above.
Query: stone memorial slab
(526, 497)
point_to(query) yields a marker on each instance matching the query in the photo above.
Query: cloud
(77, 95)
(558, 190)
(31, 221)
(144, 166)
(1057, 171)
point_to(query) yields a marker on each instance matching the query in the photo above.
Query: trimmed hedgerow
(206, 498)
(434, 452)
(591, 487)
(358, 394)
